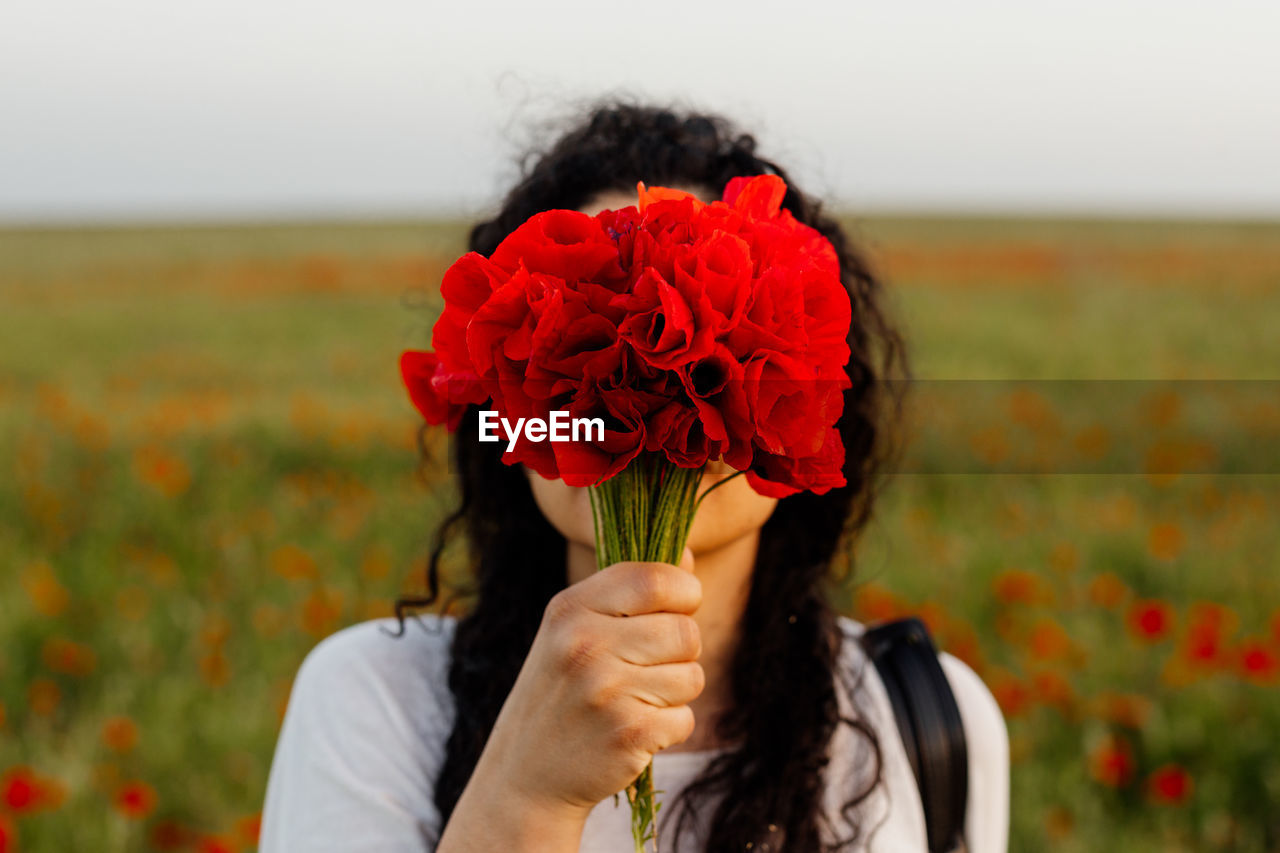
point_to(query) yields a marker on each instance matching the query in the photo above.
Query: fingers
(668, 727)
(630, 589)
(656, 638)
(667, 685)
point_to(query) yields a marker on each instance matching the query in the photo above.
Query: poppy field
(210, 464)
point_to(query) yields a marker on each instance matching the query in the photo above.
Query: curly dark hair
(784, 682)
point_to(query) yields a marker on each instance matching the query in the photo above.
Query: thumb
(686, 559)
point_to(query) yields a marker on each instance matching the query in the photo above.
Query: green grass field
(211, 465)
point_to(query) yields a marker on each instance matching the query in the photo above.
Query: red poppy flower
(1150, 621)
(1259, 662)
(135, 799)
(23, 790)
(1111, 762)
(697, 331)
(8, 835)
(1170, 785)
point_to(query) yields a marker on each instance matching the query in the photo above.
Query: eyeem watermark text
(561, 427)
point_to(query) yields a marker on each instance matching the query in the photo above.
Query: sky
(260, 109)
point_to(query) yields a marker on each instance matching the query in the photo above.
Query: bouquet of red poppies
(676, 332)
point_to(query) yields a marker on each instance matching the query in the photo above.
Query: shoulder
(372, 677)
(363, 738)
(986, 739)
(984, 724)
(378, 652)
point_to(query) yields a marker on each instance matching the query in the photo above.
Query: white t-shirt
(364, 735)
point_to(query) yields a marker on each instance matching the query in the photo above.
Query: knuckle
(635, 736)
(558, 609)
(652, 582)
(578, 648)
(600, 691)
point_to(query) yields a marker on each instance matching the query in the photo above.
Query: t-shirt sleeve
(987, 743)
(361, 744)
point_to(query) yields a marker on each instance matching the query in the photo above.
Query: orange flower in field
(47, 594)
(215, 844)
(321, 611)
(1208, 627)
(1111, 762)
(8, 835)
(1165, 541)
(1150, 620)
(119, 734)
(1203, 646)
(1161, 408)
(1052, 688)
(1092, 442)
(248, 829)
(1107, 590)
(1049, 641)
(43, 696)
(934, 617)
(1212, 614)
(376, 563)
(293, 563)
(68, 657)
(161, 470)
(168, 835)
(1124, 709)
(961, 641)
(1010, 693)
(135, 800)
(1170, 785)
(1059, 824)
(1018, 586)
(1259, 662)
(215, 669)
(873, 602)
(1064, 558)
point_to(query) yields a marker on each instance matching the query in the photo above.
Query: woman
(512, 728)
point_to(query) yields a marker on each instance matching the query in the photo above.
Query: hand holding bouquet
(690, 332)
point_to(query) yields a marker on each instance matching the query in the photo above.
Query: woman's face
(727, 515)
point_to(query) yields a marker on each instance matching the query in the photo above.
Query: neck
(726, 583)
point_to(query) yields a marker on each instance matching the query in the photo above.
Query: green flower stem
(643, 514)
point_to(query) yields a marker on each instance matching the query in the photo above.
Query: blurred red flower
(1259, 662)
(215, 844)
(1150, 620)
(1111, 762)
(248, 828)
(168, 835)
(1170, 785)
(23, 791)
(135, 799)
(1052, 688)
(1208, 627)
(1010, 692)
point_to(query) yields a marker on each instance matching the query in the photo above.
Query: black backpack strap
(929, 721)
